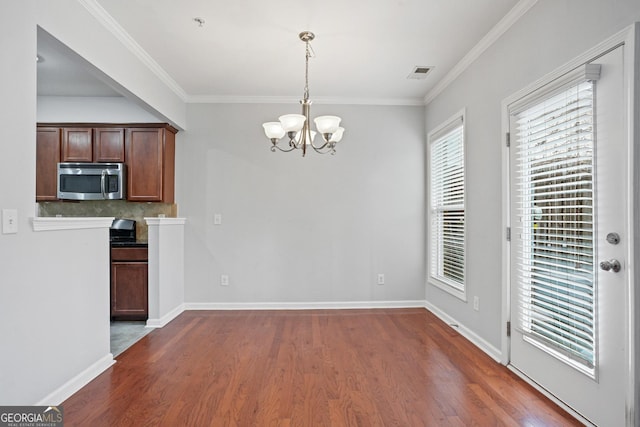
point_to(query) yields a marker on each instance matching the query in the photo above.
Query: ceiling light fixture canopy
(296, 126)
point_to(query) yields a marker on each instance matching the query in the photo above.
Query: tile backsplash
(116, 208)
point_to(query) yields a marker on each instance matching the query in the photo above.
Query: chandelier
(296, 126)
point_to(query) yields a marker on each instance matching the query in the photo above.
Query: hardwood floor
(383, 367)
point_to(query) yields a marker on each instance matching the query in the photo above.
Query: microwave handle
(103, 183)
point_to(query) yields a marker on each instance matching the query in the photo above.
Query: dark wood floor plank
(380, 367)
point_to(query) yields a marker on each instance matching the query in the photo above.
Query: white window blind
(554, 205)
(447, 263)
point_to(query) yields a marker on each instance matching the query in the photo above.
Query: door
(568, 276)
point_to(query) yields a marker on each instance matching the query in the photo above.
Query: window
(447, 210)
(554, 162)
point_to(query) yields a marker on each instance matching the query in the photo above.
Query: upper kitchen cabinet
(150, 158)
(77, 145)
(108, 145)
(147, 149)
(92, 144)
(47, 159)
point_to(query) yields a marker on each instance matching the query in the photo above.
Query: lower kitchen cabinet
(129, 283)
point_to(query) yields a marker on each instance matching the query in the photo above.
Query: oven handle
(103, 176)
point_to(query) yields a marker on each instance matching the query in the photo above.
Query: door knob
(612, 265)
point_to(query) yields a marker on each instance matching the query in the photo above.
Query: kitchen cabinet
(147, 149)
(47, 159)
(150, 158)
(108, 145)
(92, 144)
(129, 283)
(77, 145)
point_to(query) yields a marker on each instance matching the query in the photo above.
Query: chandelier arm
(331, 150)
(324, 148)
(273, 148)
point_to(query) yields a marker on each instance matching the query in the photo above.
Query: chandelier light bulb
(337, 135)
(273, 130)
(327, 124)
(311, 134)
(292, 122)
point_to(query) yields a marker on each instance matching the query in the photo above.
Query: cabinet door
(144, 158)
(77, 145)
(47, 159)
(129, 290)
(108, 145)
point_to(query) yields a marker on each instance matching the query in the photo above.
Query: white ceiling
(249, 49)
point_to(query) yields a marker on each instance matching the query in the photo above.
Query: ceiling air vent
(420, 72)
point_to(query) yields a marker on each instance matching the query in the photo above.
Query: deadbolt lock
(613, 238)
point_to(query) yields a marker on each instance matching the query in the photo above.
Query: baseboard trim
(475, 339)
(161, 322)
(302, 305)
(76, 383)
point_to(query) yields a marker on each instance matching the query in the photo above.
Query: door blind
(554, 205)
(447, 207)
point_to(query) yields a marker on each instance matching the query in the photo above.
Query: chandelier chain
(306, 70)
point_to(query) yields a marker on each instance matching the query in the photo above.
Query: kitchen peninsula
(147, 150)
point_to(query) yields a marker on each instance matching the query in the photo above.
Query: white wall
(311, 230)
(77, 28)
(91, 109)
(552, 33)
(166, 269)
(53, 285)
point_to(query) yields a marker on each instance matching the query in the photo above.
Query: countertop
(137, 244)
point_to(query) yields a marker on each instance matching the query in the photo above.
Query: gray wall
(551, 34)
(314, 229)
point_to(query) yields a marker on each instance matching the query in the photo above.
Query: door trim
(630, 38)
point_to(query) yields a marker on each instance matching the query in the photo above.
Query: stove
(122, 232)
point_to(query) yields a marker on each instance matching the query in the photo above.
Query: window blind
(554, 204)
(447, 206)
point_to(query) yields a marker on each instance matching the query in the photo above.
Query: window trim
(458, 119)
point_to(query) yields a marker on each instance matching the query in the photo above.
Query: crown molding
(230, 99)
(489, 39)
(121, 34)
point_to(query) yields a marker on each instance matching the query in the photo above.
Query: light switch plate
(9, 221)
(217, 219)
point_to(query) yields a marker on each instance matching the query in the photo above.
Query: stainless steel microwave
(92, 181)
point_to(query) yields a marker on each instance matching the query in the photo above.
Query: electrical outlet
(224, 280)
(476, 303)
(380, 279)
